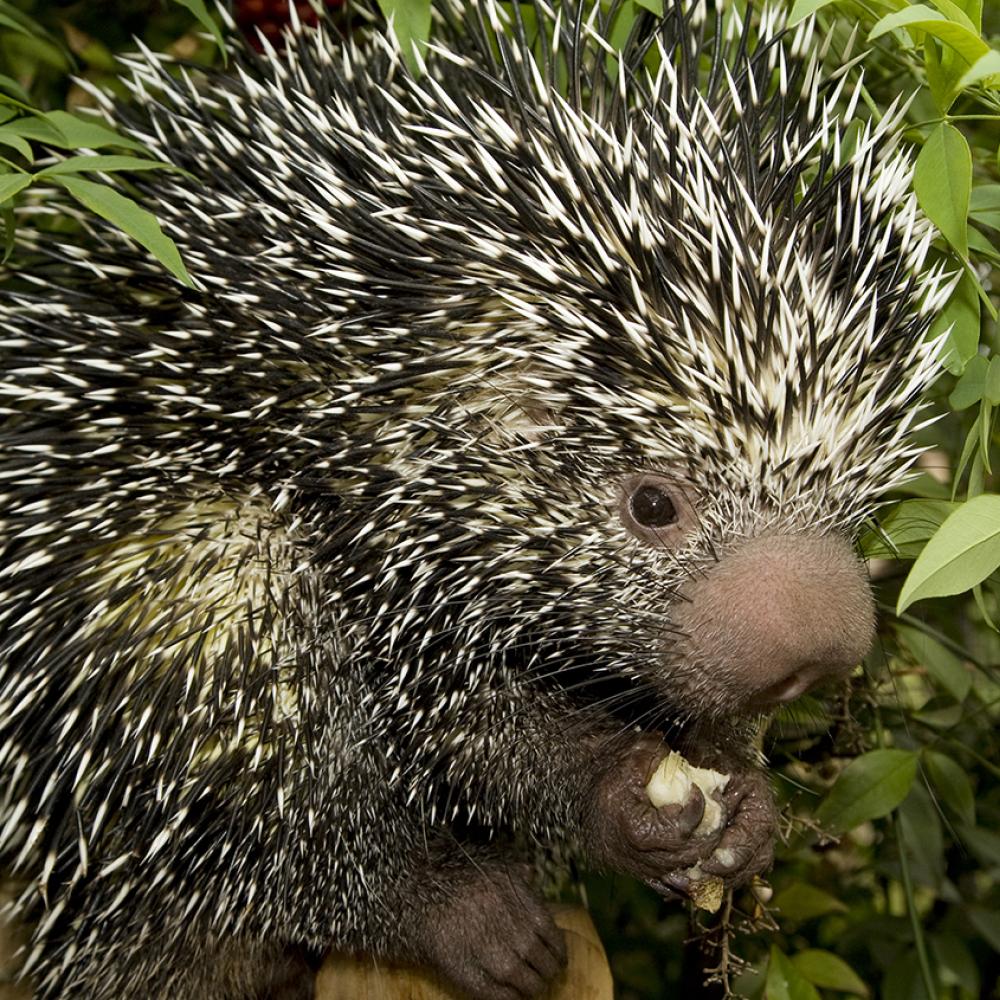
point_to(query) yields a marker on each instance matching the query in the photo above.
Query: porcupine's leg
(474, 916)
(586, 787)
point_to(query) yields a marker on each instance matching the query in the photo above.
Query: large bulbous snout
(778, 615)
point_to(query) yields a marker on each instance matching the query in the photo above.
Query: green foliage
(35, 167)
(889, 883)
(410, 23)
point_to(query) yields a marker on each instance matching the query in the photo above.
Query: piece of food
(671, 784)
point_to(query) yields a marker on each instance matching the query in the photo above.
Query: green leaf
(90, 135)
(920, 834)
(955, 963)
(801, 9)
(942, 181)
(654, 6)
(971, 387)
(951, 782)
(924, 486)
(12, 25)
(801, 901)
(943, 665)
(11, 86)
(130, 218)
(903, 979)
(200, 11)
(784, 981)
(985, 198)
(918, 17)
(10, 184)
(872, 785)
(37, 129)
(954, 12)
(823, 968)
(963, 552)
(961, 317)
(15, 142)
(908, 526)
(991, 389)
(985, 70)
(410, 24)
(102, 164)
(987, 922)
(9, 221)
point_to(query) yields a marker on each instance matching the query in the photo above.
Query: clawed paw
(493, 938)
(659, 845)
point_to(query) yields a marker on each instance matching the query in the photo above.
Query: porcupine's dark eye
(652, 507)
(656, 509)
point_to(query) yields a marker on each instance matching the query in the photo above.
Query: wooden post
(586, 977)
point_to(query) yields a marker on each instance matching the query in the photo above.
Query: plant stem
(911, 906)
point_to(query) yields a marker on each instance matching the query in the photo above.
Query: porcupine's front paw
(492, 937)
(628, 834)
(291, 975)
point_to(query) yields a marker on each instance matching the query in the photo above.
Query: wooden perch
(587, 976)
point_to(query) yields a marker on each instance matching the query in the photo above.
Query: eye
(658, 509)
(652, 507)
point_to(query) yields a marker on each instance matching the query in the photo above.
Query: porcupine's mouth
(791, 687)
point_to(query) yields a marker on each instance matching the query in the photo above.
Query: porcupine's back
(434, 318)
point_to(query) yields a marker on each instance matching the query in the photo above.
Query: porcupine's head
(576, 365)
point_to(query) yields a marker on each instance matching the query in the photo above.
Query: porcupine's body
(314, 576)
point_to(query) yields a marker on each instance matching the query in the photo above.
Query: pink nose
(779, 614)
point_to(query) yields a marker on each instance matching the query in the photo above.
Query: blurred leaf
(952, 784)
(41, 50)
(37, 129)
(801, 9)
(801, 901)
(15, 142)
(924, 486)
(6, 21)
(903, 981)
(908, 526)
(102, 164)
(784, 981)
(984, 844)
(871, 785)
(655, 6)
(130, 218)
(830, 971)
(991, 388)
(987, 923)
(961, 316)
(955, 963)
(940, 717)
(986, 70)
(410, 21)
(86, 134)
(9, 221)
(942, 181)
(920, 835)
(200, 11)
(11, 85)
(10, 184)
(963, 552)
(941, 664)
(962, 38)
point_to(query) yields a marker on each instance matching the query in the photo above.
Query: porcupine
(521, 418)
